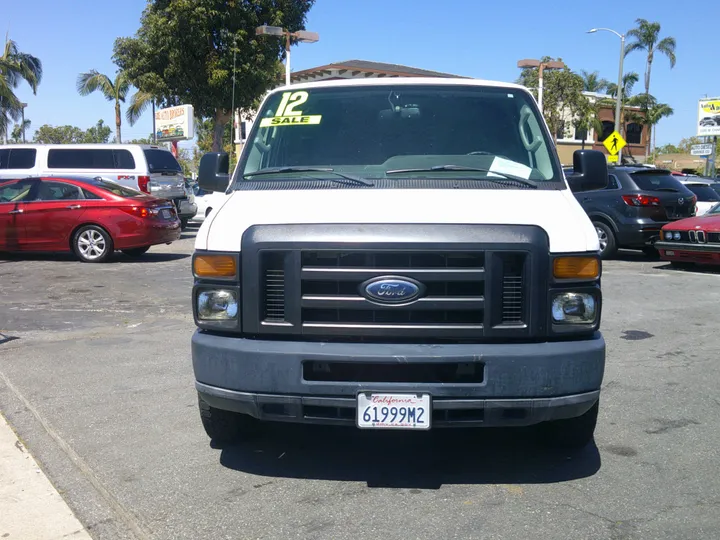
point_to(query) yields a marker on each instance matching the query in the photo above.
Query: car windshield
(655, 182)
(411, 131)
(161, 161)
(117, 189)
(704, 192)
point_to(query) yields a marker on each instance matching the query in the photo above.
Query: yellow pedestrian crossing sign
(614, 143)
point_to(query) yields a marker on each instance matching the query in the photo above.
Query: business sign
(708, 117)
(175, 123)
(701, 149)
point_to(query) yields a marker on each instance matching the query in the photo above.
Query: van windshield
(401, 131)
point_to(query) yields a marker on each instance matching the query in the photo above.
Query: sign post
(614, 143)
(174, 124)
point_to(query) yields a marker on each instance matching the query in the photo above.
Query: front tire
(136, 252)
(571, 433)
(226, 426)
(606, 237)
(92, 244)
(651, 253)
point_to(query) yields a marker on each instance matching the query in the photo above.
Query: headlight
(676, 235)
(668, 235)
(217, 305)
(574, 308)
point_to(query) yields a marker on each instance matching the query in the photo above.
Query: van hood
(556, 211)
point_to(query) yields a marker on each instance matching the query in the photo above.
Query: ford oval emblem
(391, 290)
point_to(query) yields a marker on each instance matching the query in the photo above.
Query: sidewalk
(30, 507)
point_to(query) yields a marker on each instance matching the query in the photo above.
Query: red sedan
(91, 217)
(692, 240)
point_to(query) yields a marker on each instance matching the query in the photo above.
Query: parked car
(91, 217)
(692, 241)
(707, 121)
(206, 201)
(635, 205)
(147, 168)
(707, 197)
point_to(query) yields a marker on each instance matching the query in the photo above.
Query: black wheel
(226, 426)
(571, 433)
(606, 236)
(184, 224)
(651, 253)
(136, 252)
(92, 244)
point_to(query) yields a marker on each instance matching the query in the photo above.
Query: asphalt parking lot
(95, 377)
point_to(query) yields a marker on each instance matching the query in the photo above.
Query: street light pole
(542, 66)
(22, 126)
(618, 103)
(301, 35)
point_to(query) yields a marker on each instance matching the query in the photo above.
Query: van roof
(87, 146)
(400, 81)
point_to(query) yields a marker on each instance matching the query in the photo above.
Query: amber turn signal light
(215, 266)
(576, 268)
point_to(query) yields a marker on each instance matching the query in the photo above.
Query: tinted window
(74, 158)
(17, 158)
(117, 189)
(15, 191)
(652, 182)
(612, 182)
(90, 195)
(161, 160)
(607, 129)
(704, 193)
(58, 191)
(124, 159)
(634, 133)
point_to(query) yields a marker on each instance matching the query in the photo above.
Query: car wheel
(136, 252)
(184, 224)
(226, 426)
(92, 244)
(606, 236)
(571, 433)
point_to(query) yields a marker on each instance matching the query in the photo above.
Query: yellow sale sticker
(287, 113)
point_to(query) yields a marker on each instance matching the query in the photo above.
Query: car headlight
(217, 305)
(676, 235)
(574, 308)
(668, 235)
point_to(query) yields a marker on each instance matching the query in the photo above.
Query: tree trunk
(222, 117)
(647, 103)
(118, 122)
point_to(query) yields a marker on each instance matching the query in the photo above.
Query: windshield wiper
(273, 170)
(461, 168)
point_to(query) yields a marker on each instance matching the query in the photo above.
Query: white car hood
(556, 211)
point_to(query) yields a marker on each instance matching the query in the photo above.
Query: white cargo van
(147, 168)
(399, 254)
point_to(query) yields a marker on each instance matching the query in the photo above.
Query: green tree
(592, 82)
(185, 50)
(653, 115)
(145, 140)
(15, 67)
(99, 133)
(630, 79)
(47, 134)
(685, 144)
(646, 37)
(114, 90)
(668, 149)
(19, 130)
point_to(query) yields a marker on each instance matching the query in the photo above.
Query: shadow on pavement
(7, 339)
(629, 255)
(118, 257)
(689, 268)
(409, 460)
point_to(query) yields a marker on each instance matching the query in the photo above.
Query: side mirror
(213, 173)
(590, 171)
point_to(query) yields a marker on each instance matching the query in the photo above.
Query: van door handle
(73, 207)
(18, 211)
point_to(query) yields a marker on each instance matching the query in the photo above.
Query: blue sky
(477, 38)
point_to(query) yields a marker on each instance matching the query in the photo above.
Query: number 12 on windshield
(393, 411)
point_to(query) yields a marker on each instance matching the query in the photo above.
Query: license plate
(393, 411)
(166, 214)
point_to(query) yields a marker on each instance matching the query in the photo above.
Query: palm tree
(653, 115)
(18, 132)
(15, 67)
(116, 91)
(630, 79)
(592, 81)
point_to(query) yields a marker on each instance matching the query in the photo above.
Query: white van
(147, 168)
(399, 254)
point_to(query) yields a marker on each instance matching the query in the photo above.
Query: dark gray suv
(634, 206)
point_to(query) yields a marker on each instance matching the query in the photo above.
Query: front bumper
(686, 252)
(523, 383)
